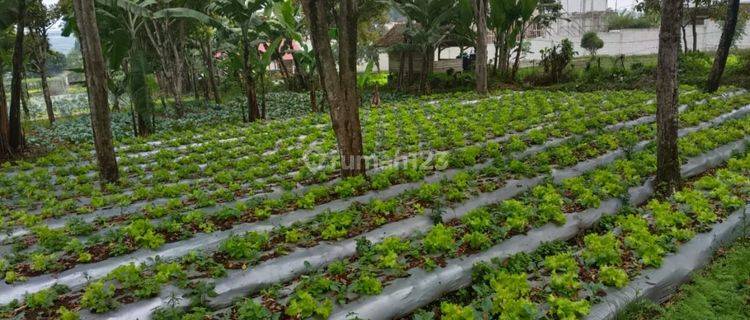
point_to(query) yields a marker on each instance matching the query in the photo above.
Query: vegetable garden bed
(226, 238)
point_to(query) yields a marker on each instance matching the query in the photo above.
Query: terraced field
(517, 206)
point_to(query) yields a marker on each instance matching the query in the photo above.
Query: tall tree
(246, 15)
(6, 45)
(429, 24)
(668, 177)
(40, 19)
(96, 84)
(339, 84)
(480, 17)
(205, 35)
(725, 43)
(16, 139)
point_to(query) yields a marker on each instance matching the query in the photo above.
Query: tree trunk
(480, 17)
(3, 107)
(401, 71)
(313, 98)
(140, 94)
(96, 83)
(5, 151)
(518, 54)
(211, 72)
(46, 93)
(725, 43)
(339, 85)
(250, 90)
(496, 58)
(301, 76)
(205, 86)
(262, 97)
(16, 140)
(684, 39)
(425, 68)
(25, 97)
(193, 78)
(668, 163)
(695, 33)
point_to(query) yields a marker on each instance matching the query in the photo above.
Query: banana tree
(306, 63)
(510, 19)
(286, 22)
(429, 23)
(504, 19)
(247, 16)
(133, 29)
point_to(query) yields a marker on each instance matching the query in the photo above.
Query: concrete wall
(639, 41)
(576, 6)
(616, 42)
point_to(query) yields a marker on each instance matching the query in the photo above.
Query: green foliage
(41, 299)
(631, 20)
(50, 239)
(66, 314)
(144, 234)
(566, 309)
(561, 262)
(556, 58)
(128, 275)
(477, 240)
(99, 297)
(517, 213)
(245, 247)
(251, 310)
(613, 276)
(510, 297)
(591, 42)
(565, 284)
(698, 205)
(719, 292)
(478, 220)
(367, 285)
(304, 305)
(601, 250)
(665, 217)
(452, 311)
(439, 239)
(336, 224)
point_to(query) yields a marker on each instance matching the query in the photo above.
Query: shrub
(631, 20)
(556, 58)
(591, 42)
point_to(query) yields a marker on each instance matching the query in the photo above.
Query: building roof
(394, 36)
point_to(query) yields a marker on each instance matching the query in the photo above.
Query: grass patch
(720, 291)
